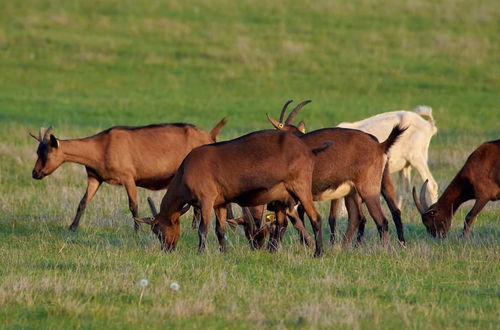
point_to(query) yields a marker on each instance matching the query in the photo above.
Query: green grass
(83, 66)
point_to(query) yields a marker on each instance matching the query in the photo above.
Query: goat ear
(54, 142)
(302, 127)
(148, 220)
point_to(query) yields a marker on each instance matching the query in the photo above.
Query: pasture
(83, 66)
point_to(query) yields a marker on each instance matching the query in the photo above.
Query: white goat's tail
(425, 110)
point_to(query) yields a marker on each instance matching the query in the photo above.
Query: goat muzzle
(38, 175)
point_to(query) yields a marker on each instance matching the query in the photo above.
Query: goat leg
(275, 236)
(478, 206)
(93, 185)
(220, 226)
(389, 194)
(298, 224)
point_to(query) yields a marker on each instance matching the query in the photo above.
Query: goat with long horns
(478, 179)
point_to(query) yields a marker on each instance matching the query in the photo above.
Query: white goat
(412, 147)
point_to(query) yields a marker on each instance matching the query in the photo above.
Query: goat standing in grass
(478, 179)
(411, 149)
(354, 168)
(255, 169)
(145, 156)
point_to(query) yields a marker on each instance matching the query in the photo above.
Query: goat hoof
(318, 254)
(272, 248)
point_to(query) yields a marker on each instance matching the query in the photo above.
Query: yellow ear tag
(270, 217)
(280, 125)
(303, 130)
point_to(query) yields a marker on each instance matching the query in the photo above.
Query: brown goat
(354, 165)
(257, 225)
(255, 169)
(145, 156)
(478, 179)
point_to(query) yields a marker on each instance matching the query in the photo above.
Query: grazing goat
(255, 169)
(353, 165)
(257, 225)
(145, 156)
(411, 149)
(478, 179)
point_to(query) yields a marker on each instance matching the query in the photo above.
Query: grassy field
(83, 66)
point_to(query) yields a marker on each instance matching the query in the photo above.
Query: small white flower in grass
(175, 286)
(143, 283)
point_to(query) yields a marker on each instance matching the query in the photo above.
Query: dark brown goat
(255, 169)
(478, 179)
(257, 225)
(145, 156)
(354, 166)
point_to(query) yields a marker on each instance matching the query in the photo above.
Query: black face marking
(43, 152)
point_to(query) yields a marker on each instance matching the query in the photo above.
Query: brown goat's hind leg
(353, 219)
(220, 226)
(390, 197)
(92, 186)
(315, 219)
(206, 213)
(361, 227)
(332, 218)
(373, 204)
(471, 216)
(196, 217)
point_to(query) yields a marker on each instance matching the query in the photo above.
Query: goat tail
(217, 128)
(323, 147)
(425, 110)
(393, 137)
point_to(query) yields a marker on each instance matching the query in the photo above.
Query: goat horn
(232, 222)
(40, 134)
(423, 199)
(263, 217)
(283, 110)
(148, 220)
(295, 111)
(34, 136)
(417, 202)
(152, 206)
(277, 124)
(250, 219)
(46, 135)
(185, 209)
